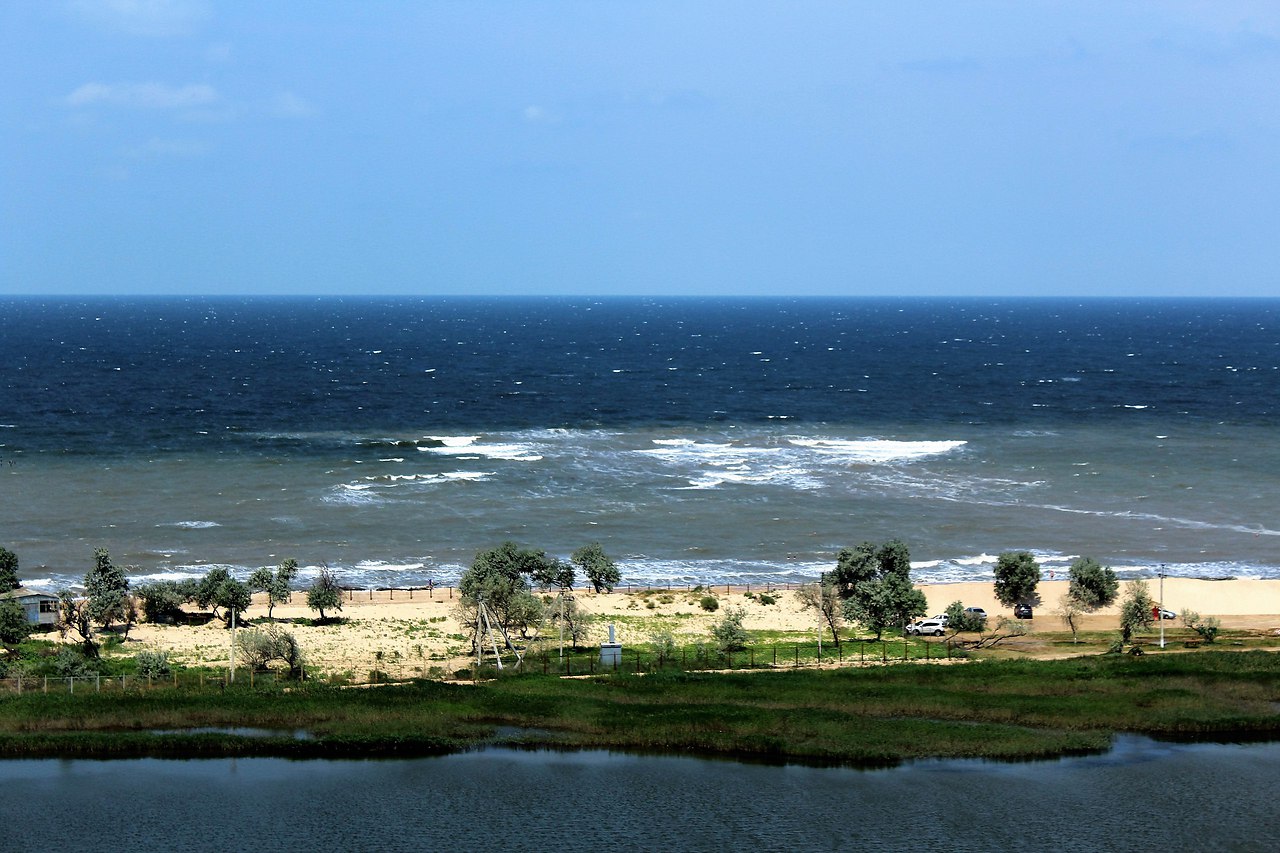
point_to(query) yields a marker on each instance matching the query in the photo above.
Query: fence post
(884, 651)
(97, 683)
(797, 654)
(904, 648)
(775, 654)
(753, 657)
(71, 685)
(926, 649)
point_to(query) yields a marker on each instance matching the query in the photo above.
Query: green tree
(162, 601)
(8, 570)
(550, 572)
(14, 627)
(1135, 609)
(600, 570)
(1069, 612)
(961, 621)
(277, 584)
(324, 594)
(1017, 574)
(259, 647)
(1092, 585)
(728, 633)
(218, 589)
(74, 615)
(105, 590)
(875, 583)
(823, 598)
(568, 615)
(500, 578)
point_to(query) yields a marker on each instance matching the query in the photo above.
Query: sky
(744, 148)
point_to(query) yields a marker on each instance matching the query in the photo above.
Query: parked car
(976, 611)
(1167, 614)
(935, 625)
(1022, 611)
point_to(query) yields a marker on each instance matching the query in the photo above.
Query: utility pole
(1160, 613)
(233, 644)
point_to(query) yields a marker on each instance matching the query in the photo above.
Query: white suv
(935, 625)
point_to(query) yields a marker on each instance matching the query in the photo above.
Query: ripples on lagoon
(1142, 795)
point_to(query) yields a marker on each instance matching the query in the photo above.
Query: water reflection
(1141, 795)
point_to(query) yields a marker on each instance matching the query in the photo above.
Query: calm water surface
(1141, 796)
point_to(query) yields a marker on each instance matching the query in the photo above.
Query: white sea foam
(468, 446)
(447, 476)
(454, 440)
(875, 450)
(191, 525)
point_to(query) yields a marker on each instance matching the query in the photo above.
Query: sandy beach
(404, 634)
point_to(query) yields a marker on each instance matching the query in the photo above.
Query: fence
(198, 679)
(546, 661)
(770, 656)
(433, 592)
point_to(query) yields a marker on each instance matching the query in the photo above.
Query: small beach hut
(41, 607)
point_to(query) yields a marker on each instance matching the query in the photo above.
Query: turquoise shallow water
(698, 441)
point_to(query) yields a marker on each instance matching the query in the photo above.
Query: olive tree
(106, 588)
(275, 584)
(1017, 574)
(600, 570)
(1135, 609)
(501, 579)
(218, 589)
(875, 583)
(1092, 585)
(728, 633)
(824, 600)
(962, 621)
(74, 615)
(324, 593)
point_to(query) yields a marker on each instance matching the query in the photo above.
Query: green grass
(997, 709)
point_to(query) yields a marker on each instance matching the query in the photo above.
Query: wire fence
(433, 592)
(547, 661)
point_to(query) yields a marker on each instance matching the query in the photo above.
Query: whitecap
(191, 525)
(873, 450)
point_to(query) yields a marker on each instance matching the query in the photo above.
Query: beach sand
(416, 634)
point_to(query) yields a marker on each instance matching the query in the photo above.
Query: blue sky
(737, 148)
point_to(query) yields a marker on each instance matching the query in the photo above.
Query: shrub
(663, 643)
(766, 598)
(152, 664)
(729, 634)
(709, 603)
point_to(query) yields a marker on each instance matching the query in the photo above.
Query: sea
(699, 441)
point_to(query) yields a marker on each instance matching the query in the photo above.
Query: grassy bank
(998, 709)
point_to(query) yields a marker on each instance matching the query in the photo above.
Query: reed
(994, 709)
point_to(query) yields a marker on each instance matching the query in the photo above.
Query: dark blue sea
(697, 440)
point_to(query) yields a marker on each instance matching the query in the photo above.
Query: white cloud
(143, 95)
(153, 18)
(289, 105)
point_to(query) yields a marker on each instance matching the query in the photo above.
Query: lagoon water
(697, 440)
(1140, 796)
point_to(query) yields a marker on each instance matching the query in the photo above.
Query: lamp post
(1161, 614)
